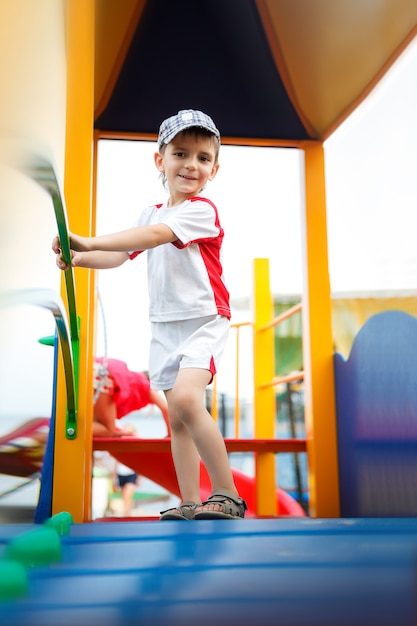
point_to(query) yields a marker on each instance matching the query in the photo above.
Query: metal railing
(274, 382)
(40, 169)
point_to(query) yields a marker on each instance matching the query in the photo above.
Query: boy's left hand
(79, 243)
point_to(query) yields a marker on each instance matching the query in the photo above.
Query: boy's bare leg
(128, 492)
(184, 454)
(195, 434)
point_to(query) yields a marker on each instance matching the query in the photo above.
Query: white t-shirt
(185, 277)
(124, 470)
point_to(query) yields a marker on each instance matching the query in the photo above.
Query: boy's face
(189, 161)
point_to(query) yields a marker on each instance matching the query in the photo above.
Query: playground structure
(60, 148)
(69, 77)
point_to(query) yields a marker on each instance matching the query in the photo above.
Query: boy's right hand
(56, 244)
(56, 247)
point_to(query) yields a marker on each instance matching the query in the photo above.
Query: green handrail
(38, 166)
(42, 171)
(49, 299)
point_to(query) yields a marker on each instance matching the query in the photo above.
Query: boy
(189, 305)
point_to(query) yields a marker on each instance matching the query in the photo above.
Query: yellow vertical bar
(237, 369)
(73, 458)
(320, 413)
(264, 398)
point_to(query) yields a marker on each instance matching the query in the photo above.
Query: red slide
(158, 467)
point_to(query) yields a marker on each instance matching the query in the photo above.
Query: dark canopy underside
(265, 69)
(209, 55)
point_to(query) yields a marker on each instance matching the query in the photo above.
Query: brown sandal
(232, 506)
(184, 511)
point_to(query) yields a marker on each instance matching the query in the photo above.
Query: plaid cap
(182, 120)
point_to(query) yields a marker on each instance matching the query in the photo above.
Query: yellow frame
(73, 458)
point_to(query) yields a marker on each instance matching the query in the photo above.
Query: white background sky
(371, 177)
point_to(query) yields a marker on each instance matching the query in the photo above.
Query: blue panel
(376, 398)
(44, 507)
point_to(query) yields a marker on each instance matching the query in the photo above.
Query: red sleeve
(131, 391)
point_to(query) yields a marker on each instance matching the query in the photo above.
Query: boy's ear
(214, 171)
(159, 161)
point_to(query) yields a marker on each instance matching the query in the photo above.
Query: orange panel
(330, 54)
(115, 26)
(320, 412)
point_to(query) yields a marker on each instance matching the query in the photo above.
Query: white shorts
(196, 343)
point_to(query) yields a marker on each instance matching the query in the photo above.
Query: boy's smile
(188, 161)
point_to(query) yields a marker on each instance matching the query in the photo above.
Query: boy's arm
(138, 238)
(105, 418)
(96, 260)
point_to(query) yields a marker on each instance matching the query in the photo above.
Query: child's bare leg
(128, 492)
(186, 405)
(184, 454)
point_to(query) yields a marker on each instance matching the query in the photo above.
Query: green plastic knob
(13, 580)
(61, 522)
(36, 547)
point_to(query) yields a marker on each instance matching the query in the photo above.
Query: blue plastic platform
(259, 572)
